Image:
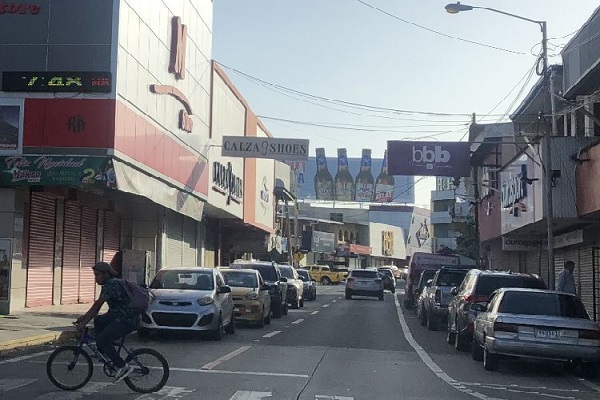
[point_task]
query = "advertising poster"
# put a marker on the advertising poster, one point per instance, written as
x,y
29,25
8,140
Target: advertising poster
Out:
x,y
5,257
367,177
10,118
429,158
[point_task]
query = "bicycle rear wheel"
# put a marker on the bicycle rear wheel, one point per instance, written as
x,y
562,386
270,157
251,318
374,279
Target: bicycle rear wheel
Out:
x,y
69,367
151,371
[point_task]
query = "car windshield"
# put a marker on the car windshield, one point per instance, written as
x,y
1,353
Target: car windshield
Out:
x,y
364,274
240,279
184,280
303,275
487,284
551,304
267,272
286,272
451,278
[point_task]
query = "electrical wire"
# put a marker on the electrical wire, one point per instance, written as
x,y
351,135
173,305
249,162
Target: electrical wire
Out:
x,y
438,32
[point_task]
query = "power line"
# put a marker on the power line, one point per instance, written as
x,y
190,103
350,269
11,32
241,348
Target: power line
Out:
x,y
438,32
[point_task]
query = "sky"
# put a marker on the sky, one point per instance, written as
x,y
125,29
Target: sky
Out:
x,y
357,73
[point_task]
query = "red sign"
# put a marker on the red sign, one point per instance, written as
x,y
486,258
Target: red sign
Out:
x,y
19,8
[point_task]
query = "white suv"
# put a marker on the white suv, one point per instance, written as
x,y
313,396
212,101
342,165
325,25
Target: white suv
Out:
x,y
364,282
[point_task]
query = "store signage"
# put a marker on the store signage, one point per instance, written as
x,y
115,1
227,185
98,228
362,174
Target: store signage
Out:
x,y
387,243
76,124
318,242
19,8
227,183
428,158
568,239
270,148
70,81
56,170
10,131
513,191
523,242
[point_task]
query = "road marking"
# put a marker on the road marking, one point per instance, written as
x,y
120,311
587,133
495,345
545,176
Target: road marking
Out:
x,y
296,322
333,301
245,395
430,363
226,357
271,334
321,397
591,385
17,359
90,388
325,305
11,384
225,372
175,392
314,312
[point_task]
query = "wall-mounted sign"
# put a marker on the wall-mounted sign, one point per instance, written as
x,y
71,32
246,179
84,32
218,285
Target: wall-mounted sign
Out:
x,y
429,158
79,82
260,147
319,242
523,242
10,127
56,171
19,8
387,243
514,190
569,239
264,196
227,183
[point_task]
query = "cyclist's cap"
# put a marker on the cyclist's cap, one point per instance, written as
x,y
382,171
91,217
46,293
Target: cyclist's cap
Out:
x,y
104,267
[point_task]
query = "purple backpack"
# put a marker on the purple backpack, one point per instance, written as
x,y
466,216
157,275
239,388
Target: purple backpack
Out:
x,y
139,297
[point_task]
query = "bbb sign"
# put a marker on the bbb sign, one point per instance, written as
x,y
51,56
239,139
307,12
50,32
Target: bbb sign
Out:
x,y
429,158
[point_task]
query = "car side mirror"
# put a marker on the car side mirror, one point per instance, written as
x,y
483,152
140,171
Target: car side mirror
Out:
x,y
224,289
283,280
454,291
479,307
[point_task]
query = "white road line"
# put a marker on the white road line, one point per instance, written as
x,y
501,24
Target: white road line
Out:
x,y
17,359
271,334
333,301
166,392
11,384
296,322
430,363
245,395
321,397
226,357
90,388
314,312
591,385
325,305
224,372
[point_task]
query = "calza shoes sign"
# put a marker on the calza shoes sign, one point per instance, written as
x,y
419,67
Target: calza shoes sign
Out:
x,y
428,158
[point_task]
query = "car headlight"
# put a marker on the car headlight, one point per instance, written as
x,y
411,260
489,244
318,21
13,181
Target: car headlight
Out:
x,y
252,296
205,301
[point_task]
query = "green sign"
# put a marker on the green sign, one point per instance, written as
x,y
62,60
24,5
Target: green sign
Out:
x,y
57,171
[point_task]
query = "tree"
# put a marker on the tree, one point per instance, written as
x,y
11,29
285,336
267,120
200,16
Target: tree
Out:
x,y
468,243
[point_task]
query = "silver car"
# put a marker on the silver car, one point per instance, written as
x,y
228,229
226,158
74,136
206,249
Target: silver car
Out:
x,y
190,299
534,323
364,282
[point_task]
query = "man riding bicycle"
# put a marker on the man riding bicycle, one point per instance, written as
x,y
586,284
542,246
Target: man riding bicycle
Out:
x,y
119,321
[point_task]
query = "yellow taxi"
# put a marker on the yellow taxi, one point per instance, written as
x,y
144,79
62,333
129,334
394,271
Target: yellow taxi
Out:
x,y
251,299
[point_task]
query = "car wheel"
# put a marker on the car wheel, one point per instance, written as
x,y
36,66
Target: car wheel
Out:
x,y
348,295
450,337
325,281
277,311
422,317
285,309
217,334
230,328
460,342
143,333
476,351
490,361
302,302
431,322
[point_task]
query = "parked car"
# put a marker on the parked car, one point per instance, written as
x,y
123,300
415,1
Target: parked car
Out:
x,y
539,324
402,272
295,286
389,281
273,279
425,277
434,300
364,282
393,269
251,300
325,275
195,299
310,287
419,262
476,288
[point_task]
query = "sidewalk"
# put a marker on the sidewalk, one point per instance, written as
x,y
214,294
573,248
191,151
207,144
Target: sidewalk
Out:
x,y
39,325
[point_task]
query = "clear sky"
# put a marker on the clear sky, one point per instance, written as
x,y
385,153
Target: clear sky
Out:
x,y
295,62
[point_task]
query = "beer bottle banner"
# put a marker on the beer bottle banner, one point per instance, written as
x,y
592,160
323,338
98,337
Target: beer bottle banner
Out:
x,y
365,183
323,180
344,183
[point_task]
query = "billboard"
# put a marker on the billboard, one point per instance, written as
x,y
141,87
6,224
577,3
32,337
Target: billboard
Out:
x,y
341,178
429,158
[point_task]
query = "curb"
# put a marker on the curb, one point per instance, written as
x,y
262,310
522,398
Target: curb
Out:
x,y
37,340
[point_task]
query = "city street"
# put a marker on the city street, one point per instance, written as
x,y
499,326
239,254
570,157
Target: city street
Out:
x,y
331,349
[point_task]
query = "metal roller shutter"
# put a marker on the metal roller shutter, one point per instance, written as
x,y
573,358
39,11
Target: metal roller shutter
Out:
x,y
532,262
209,258
585,279
40,270
596,282
560,256
174,239
189,243
87,283
72,245
112,236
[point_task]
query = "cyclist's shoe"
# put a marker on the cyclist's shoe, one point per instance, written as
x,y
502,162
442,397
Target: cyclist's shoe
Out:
x,y
124,372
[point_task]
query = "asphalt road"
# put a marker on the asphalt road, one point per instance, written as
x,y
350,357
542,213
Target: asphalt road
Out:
x,y
332,349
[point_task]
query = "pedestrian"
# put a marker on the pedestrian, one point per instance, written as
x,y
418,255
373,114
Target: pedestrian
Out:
x,y
117,322
566,282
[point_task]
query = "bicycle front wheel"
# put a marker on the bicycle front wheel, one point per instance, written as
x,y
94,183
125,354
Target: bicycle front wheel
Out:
x,y
69,367
151,371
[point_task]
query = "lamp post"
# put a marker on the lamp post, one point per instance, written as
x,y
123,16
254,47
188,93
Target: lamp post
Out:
x,y
455,8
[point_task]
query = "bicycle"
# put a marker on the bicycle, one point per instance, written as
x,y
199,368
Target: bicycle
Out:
x,y
79,365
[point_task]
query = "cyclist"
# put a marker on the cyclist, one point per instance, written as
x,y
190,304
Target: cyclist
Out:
x,y
119,321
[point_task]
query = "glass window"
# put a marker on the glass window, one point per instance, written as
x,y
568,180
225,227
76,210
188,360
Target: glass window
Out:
x,y
240,279
268,272
303,274
571,306
529,303
184,280
359,273
286,272
451,278
488,283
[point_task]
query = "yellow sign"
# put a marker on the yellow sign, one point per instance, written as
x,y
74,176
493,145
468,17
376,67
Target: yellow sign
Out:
x,y
387,243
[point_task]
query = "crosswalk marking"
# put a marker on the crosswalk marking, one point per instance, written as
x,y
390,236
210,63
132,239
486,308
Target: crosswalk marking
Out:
x,y
10,384
246,395
296,322
95,387
167,392
271,334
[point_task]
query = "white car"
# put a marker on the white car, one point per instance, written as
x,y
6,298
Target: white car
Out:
x,y
190,299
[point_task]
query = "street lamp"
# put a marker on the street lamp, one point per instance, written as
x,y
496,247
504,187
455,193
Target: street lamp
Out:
x,y
455,8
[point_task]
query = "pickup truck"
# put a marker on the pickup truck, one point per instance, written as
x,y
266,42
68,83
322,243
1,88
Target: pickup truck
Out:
x,y
325,275
433,301
419,262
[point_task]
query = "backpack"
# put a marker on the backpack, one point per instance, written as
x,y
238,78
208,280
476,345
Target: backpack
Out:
x,y
139,297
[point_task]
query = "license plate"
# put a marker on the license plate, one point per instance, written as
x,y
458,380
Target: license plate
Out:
x,y
237,309
547,334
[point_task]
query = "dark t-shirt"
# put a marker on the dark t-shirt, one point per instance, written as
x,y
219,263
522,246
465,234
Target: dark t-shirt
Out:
x,y
118,303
